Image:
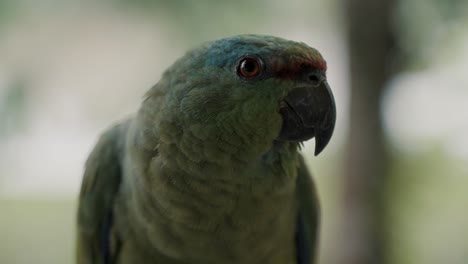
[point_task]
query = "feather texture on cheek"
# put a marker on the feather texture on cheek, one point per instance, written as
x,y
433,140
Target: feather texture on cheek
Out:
x,y
203,105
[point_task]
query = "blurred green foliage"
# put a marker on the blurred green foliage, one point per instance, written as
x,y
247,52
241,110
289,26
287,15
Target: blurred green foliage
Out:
x,y
428,208
427,29
199,20
7,10
13,106
37,231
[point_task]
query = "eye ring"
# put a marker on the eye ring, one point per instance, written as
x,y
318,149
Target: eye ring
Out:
x,y
249,67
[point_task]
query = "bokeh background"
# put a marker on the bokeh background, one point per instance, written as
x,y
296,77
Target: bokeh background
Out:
x,y
393,182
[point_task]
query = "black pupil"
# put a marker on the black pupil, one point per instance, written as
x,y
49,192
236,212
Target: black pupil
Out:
x,y
249,66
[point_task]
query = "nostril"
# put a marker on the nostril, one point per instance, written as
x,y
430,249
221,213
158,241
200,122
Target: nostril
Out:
x,y
314,78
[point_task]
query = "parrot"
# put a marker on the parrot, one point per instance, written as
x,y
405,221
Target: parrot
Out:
x,y
209,169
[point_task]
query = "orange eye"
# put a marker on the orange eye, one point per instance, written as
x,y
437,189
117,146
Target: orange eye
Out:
x,y
248,68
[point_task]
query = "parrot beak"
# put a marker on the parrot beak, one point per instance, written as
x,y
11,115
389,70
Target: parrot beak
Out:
x,y
308,111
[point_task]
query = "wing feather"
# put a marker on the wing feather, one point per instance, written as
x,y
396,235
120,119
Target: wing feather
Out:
x,y
308,217
101,181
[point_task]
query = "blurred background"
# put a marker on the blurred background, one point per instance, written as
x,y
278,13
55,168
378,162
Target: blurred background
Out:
x,y
393,182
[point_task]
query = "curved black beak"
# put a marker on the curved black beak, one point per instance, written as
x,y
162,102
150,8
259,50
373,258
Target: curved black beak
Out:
x,y
309,111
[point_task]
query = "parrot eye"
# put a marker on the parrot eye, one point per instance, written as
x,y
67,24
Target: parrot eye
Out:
x,y
249,68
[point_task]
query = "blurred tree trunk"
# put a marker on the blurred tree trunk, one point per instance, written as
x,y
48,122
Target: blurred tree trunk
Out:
x,y
370,41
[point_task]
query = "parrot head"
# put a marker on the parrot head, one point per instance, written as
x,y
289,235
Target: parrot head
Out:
x,y
251,90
